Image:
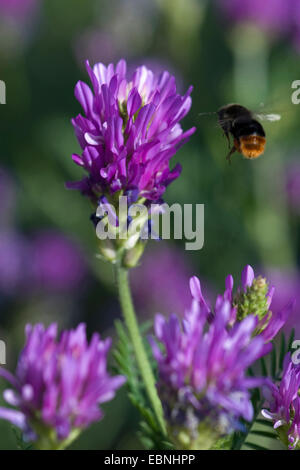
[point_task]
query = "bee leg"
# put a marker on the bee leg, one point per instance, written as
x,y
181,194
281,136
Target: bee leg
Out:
x,y
228,138
230,153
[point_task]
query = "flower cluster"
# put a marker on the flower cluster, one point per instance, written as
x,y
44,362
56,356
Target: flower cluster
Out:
x,y
129,132
254,297
293,187
284,404
287,282
272,16
167,271
58,385
128,135
51,261
202,370
18,8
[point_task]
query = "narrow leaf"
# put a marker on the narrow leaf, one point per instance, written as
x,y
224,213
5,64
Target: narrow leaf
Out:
x,y
255,446
269,434
282,350
264,422
273,362
291,339
263,367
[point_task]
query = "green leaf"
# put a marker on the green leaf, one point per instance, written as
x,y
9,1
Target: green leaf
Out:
x,y
150,434
256,446
264,422
263,367
268,434
274,362
21,444
291,339
283,350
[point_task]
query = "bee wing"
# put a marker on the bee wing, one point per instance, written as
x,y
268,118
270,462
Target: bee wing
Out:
x,y
268,117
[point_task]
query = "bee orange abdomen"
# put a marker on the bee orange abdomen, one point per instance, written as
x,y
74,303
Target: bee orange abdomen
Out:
x,y
250,146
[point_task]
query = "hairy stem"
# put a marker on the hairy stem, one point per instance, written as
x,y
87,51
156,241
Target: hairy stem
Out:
x,y
137,342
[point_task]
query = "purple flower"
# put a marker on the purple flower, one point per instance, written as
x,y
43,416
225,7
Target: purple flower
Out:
x,y
202,370
7,199
272,15
254,297
124,28
48,262
17,8
167,271
94,43
158,66
130,131
293,183
283,403
58,385
15,259
287,287
57,263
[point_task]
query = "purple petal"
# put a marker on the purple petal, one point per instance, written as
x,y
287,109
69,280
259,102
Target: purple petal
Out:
x,y
84,95
9,377
247,277
15,417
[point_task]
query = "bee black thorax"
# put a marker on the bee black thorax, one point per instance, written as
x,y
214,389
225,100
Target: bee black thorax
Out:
x,y
248,134
239,121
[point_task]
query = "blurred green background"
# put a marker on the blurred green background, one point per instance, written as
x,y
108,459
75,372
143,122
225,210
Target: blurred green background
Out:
x,y
48,265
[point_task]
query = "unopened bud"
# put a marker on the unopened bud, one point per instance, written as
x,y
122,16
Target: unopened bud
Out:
x,y
253,301
132,256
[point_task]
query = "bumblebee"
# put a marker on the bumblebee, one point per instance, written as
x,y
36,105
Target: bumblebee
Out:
x,y
249,137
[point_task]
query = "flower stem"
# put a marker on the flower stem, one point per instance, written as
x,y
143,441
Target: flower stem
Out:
x,y
137,342
48,440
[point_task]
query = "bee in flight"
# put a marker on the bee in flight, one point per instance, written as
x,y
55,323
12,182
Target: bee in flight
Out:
x,y
249,137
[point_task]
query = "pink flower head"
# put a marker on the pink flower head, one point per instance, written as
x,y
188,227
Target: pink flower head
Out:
x,y
129,131
59,384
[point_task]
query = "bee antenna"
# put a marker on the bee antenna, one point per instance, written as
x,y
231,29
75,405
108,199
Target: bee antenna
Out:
x,y
207,113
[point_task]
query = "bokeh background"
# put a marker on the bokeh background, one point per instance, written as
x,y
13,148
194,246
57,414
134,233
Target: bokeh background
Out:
x,y
230,50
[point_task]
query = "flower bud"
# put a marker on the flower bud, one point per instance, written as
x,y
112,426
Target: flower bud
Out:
x,y
253,300
132,257
108,251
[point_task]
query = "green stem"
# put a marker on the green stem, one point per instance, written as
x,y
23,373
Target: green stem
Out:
x,y
137,342
48,440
